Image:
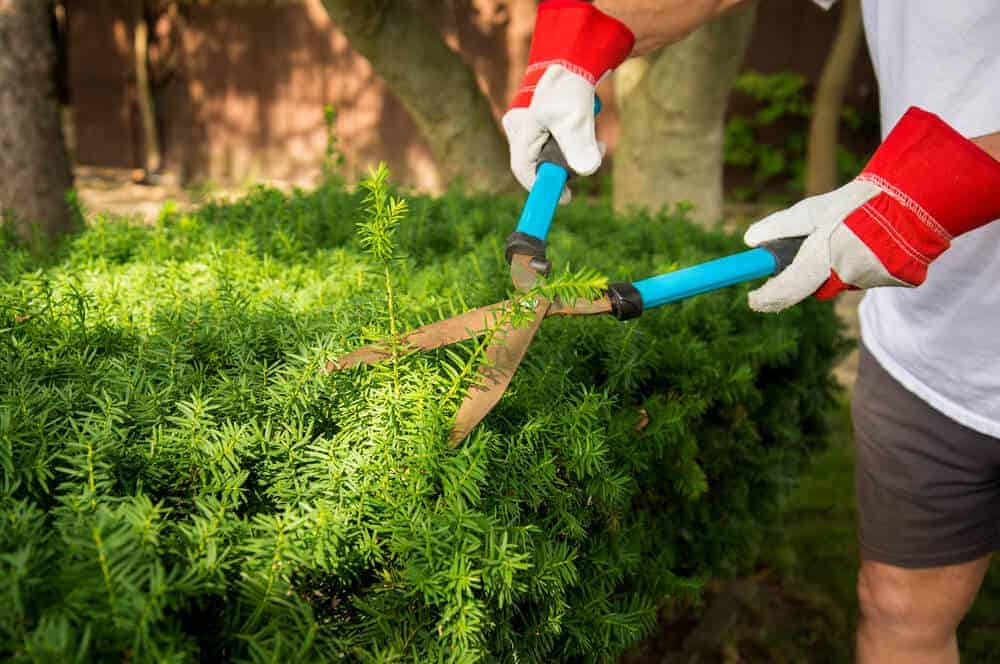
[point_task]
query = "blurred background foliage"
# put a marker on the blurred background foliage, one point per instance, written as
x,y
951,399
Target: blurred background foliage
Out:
x,y
765,148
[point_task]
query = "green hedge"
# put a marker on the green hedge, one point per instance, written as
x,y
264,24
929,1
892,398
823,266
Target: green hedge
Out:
x,y
180,482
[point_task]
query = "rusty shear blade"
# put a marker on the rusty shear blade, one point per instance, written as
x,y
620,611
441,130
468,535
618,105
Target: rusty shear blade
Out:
x,y
434,335
505,353
503,356
470,324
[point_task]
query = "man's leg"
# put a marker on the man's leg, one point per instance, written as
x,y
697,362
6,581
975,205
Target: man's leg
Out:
x,y
910,615
928,497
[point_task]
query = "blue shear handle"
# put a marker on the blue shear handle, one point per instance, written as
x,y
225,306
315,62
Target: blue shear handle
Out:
x,y
536,217
550,178
719,273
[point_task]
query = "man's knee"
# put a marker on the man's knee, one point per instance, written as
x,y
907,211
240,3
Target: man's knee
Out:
x,y
893,602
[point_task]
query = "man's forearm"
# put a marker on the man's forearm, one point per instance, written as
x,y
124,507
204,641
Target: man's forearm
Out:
x,y
990,144
657,23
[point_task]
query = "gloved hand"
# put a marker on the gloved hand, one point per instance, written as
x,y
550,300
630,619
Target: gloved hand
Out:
x,y
573,46
924,186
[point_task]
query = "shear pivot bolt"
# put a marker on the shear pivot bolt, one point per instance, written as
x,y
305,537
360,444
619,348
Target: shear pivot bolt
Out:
x,y
540,265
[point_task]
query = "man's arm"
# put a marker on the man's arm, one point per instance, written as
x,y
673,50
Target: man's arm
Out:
x,y
575,44
657,23
990,144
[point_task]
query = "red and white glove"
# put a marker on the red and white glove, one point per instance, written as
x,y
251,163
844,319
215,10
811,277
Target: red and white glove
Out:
x,y
573,46
924,186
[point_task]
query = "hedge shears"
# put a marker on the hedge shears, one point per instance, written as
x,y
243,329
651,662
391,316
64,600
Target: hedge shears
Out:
x,y
525,250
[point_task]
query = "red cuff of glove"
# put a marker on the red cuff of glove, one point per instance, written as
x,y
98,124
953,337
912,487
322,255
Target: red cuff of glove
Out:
x,y
946,180
577,36
936,185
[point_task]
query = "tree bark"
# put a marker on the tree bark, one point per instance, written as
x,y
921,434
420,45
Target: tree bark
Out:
x,y
34,167
821,151
672,104
437,88
152,159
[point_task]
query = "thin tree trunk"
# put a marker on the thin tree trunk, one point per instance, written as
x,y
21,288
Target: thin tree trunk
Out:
x,y
672,105
821,152
437,88
152,159
34,167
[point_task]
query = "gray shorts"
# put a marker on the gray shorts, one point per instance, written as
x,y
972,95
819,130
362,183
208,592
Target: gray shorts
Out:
x,y
928,488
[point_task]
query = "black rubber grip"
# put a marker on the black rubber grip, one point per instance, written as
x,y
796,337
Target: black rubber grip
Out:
x,y
524,245
626,302
784,251
553,154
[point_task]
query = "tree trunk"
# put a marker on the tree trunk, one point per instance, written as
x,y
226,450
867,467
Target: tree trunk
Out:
x,y
821,152
437,88
34,167
672,104
152,159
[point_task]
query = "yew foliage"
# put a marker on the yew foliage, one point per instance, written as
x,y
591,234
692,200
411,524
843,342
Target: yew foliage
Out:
x,y
179,481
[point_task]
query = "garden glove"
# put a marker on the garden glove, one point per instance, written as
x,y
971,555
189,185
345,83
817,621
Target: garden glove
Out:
x,y
924,186
573,46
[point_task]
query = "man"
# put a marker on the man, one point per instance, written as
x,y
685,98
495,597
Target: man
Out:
x,y
915,222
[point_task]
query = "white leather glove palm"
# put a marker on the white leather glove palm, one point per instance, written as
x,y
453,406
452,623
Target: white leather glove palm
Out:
x,y
924,186
829,245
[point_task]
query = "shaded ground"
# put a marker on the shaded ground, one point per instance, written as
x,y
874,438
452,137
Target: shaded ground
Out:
x,y
799,606
112,191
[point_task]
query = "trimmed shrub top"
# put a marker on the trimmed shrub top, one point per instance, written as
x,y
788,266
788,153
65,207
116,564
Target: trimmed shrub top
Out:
x,y
179,481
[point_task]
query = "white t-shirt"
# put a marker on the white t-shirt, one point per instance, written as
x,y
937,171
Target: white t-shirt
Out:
x,y
941,340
